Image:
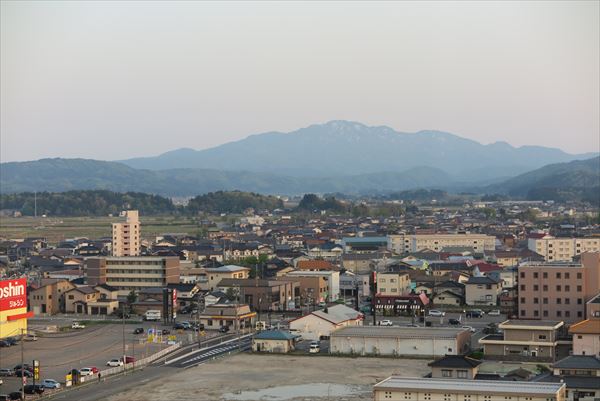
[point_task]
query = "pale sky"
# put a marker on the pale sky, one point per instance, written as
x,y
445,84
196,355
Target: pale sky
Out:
x,y
112,80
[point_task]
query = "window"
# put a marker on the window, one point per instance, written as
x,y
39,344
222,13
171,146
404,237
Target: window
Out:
x,y
536,313
558,301
545,313
578,288
522,274
567,276
579,301
541,337
536,275
536,287
558,275
522,312
567,301
545,275
522,287
545,288
446,373
558,313
567,313
558,288
579,276
579,314
536,300
567,288
462,374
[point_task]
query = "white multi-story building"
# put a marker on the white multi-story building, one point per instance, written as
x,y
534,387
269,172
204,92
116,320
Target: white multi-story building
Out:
x,y
403,243
560,249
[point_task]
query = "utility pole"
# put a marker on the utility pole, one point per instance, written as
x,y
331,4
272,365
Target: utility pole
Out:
x,y
124,355
22,367
35,204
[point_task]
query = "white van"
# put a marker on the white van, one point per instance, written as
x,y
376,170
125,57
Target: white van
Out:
x,y
314,347
153,315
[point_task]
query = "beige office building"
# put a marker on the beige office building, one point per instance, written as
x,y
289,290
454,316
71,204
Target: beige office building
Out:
x,y
400,243
558,290
396,388
126,235
133,273
563,249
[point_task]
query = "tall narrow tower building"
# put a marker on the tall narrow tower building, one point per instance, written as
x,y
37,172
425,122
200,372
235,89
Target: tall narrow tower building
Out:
x,y
126,236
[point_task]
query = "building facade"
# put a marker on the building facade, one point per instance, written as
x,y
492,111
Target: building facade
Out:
x,y
133,273
558,290
389,283
561,249
126,238
396,388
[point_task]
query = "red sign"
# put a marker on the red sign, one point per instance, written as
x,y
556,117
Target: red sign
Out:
x,y
174,297
13,294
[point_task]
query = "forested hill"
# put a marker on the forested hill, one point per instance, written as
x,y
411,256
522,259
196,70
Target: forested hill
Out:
x,y
103,203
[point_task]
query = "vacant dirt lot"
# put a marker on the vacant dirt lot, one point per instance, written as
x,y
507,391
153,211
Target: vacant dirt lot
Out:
x,y
232,377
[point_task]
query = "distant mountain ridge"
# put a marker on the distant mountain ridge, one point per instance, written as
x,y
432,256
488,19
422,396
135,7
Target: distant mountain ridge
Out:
x,y
350,148
57,175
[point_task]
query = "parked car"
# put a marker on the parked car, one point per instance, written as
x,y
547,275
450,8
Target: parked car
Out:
x,y
34,389
138,330
453,322
7,372
1,382
470,328
50,383
474,314
4,343
224,329
494,312
4,397
86,372
77,326
114,362
30,337
23,373
314,347
11,340
385,322
179,326
436,313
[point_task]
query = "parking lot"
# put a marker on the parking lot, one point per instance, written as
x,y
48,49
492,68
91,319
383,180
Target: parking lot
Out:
x,y
61,352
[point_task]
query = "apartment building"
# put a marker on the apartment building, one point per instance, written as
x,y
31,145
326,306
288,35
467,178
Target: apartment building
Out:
x,y
400,243
126,235
264,295
561,249
558,290
332,279
524,340
396,388
133,273
390,283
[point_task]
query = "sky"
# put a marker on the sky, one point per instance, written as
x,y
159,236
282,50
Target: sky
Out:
x,y
113,80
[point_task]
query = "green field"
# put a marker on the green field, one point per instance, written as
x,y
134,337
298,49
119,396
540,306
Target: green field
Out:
x,y
56,229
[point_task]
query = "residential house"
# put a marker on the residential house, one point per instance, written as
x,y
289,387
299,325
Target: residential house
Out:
x,y
455,367
321,323
234,316
274,341
264,295
482,291
49,298
216,274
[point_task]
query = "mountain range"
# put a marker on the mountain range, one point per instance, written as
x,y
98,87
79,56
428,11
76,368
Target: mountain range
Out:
x,y
338,156
341,148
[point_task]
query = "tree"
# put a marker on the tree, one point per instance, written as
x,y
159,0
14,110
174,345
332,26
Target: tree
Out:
x,y
131,299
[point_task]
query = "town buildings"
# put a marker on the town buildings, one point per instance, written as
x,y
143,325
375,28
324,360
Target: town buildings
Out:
x,y
562,249
322,323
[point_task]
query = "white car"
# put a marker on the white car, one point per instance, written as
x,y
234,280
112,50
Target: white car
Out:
x,y
49,383
436,313
77,325
86,371
494,312
30,337
386,323
470,328
314,347
114,362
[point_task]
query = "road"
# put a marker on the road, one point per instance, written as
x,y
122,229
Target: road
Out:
x,y
183,358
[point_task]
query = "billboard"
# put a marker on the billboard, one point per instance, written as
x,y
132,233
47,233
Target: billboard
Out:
x,y
13,294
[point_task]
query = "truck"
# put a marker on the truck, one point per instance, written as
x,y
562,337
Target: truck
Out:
x,y
152,315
